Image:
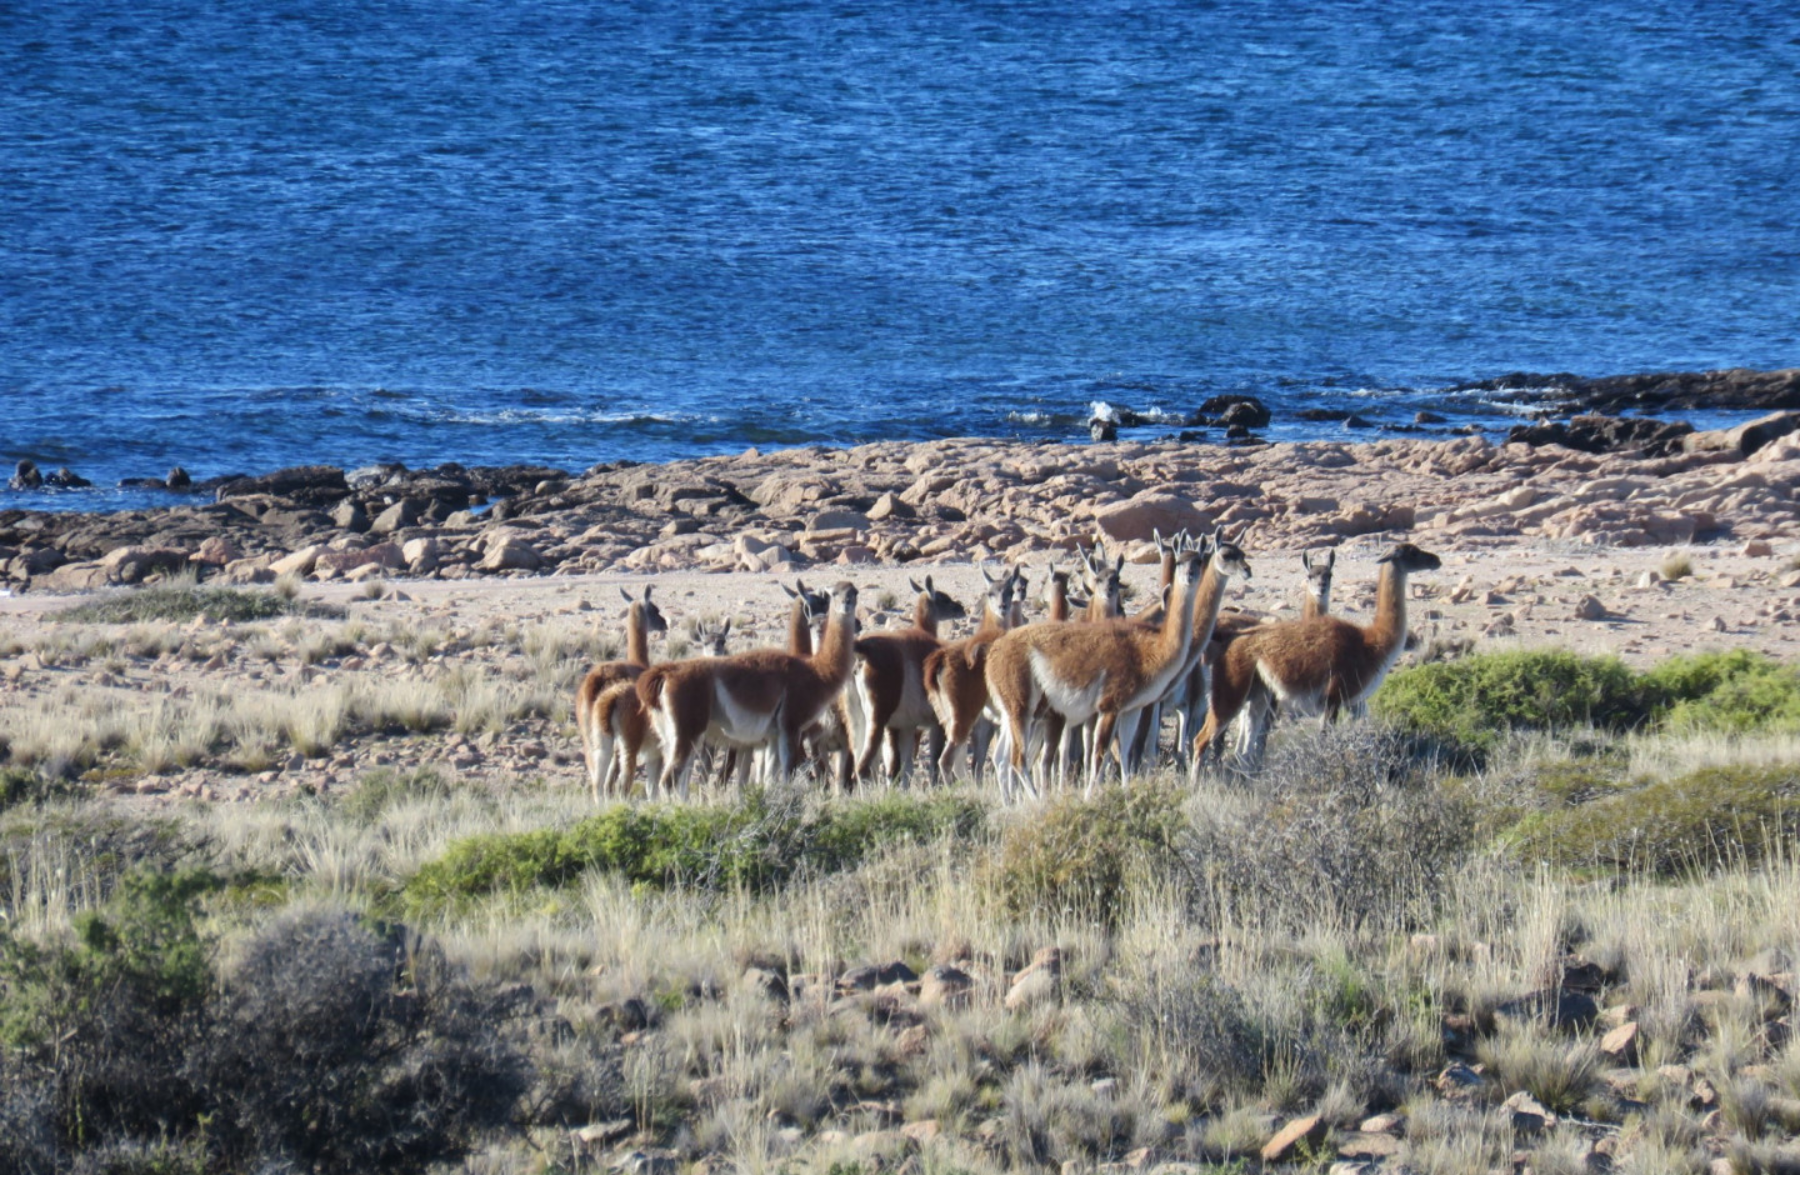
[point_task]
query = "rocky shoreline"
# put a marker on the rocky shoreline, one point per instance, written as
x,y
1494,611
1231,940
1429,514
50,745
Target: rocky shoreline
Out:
x,y
1596,480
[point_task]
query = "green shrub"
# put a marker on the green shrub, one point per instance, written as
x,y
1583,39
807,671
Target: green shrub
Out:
x,y
1735,692
1076,856
1475,702
20,786
1713,818
755,845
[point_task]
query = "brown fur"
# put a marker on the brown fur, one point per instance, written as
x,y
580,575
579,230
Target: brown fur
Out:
x,y
956,673
642,618
889,684
620,731
1321,661
1106,670
760,698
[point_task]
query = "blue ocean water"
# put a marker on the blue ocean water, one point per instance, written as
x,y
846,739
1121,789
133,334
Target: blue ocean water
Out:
x,y
237,237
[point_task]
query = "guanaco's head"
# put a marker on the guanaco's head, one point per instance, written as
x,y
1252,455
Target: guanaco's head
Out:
x,y
1318,569
935,605
712,636
1104,582
843,599
1408,558
1226,556
817,603
652,615
1001,590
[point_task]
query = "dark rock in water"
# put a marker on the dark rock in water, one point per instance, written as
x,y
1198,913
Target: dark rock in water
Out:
x,y
1252,415
1324,414
1218,404
1606,435
1355,422
1423,417
26,477
1653,392
1102,430
177,480
62,477
1193,435
317,486
1229,410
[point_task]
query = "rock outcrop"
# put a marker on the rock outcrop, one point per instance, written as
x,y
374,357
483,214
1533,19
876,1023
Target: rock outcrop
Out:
x,y
1623,483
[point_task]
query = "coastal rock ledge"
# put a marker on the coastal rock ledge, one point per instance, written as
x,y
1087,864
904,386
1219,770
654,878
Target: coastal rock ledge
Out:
x,y
907,502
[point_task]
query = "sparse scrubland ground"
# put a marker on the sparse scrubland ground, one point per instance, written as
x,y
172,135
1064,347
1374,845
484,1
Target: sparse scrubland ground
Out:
x,y
339,901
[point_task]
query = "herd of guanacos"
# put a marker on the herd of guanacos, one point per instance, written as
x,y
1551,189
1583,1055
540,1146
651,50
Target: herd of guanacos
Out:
x,y
1077,692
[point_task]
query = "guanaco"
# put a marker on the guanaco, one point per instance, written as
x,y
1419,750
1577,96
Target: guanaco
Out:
x,y
642,618
956,675
889,707
1316,664
760,698
1105,671
621,729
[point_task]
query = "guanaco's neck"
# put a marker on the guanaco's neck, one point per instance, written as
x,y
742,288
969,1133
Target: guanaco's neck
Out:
x,y
993,621
637,636
837,649
799,630
1318,597
1208,598
925,617
1059,599
1388,633
1176,636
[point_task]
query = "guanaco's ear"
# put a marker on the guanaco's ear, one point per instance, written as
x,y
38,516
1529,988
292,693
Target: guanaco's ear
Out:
x,y
629,598
647,593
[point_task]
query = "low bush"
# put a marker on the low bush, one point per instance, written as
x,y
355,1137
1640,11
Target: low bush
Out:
x,y
756,845
1709,819
1353,827
379,790
21,786
1735,692
341,1048
180,600
325,1046
1078,854
1475,702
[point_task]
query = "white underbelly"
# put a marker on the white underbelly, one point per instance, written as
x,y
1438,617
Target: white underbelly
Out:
x,y
1076,702
733,724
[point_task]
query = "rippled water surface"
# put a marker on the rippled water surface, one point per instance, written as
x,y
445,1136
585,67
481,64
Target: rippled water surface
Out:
x,y
237,237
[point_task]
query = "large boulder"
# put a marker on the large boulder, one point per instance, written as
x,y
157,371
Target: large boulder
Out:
x,y
1136,518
